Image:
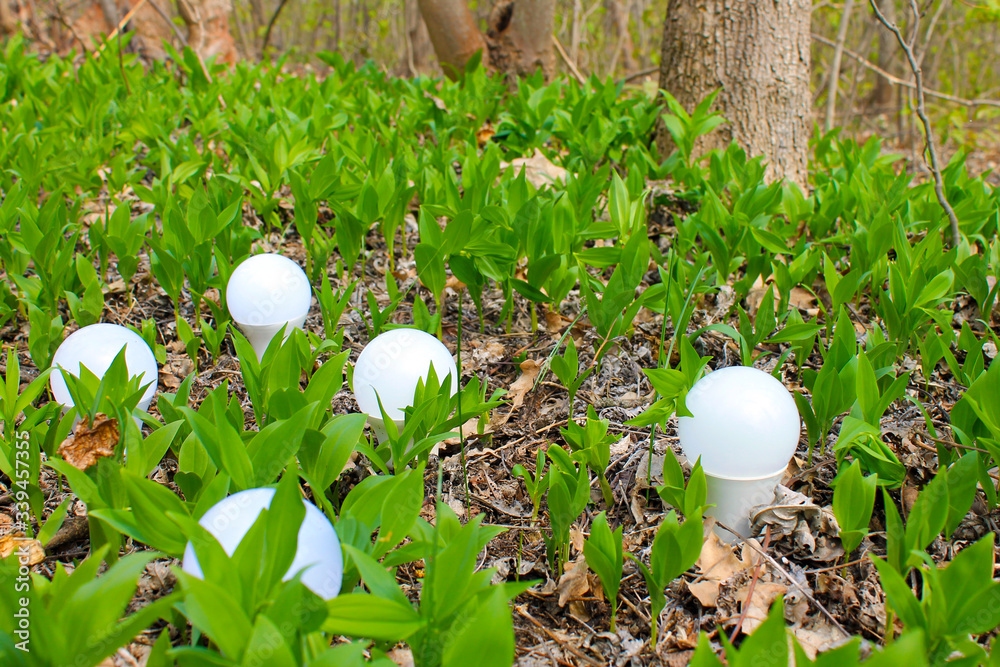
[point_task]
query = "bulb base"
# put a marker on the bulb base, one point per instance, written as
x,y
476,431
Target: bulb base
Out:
x,y
378,427
260,335
733,499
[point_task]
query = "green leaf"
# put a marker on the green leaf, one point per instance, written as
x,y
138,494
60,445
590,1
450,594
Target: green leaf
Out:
x,y
962,479
927,517
971,595
603,551
899,595
853,501
362,615
215,612
485,637
267,645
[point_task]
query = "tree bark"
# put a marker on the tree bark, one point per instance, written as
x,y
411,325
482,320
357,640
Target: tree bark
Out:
x,y
520,33
418,52
884,94
111,13
454,33
8,21
617,24
758,54
207,22
518,41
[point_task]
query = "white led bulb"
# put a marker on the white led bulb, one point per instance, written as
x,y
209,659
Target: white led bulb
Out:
x,y
745,427
318,548
265,293
390,367
95,347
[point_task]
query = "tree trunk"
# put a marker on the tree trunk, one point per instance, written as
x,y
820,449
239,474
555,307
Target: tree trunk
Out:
x,y
616,23
454,33
207,22
758,54
883,96
520,33
9,22
417,58
111,13
519,39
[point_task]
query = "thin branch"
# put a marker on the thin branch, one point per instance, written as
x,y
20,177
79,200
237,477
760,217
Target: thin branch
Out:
x,y
838,52
641,73
753,582
921,113
777,566
895,80
59,16
180,37
566,59
121,24
270,25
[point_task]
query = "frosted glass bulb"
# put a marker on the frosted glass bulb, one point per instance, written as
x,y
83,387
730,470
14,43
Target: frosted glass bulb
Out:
x,y
744,424
95,347
265,293
318,549
392,363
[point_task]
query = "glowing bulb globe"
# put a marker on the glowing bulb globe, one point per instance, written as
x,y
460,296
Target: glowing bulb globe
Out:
x,y
318,548
391,365
745,428
265,293
744,423
96,346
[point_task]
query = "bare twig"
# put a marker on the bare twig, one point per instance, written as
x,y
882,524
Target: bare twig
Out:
x,y
270,25
777,566
59,16
838,52
641,73
180,36
562,643
895,80
566,59
921,112
196,33
121,24
753,584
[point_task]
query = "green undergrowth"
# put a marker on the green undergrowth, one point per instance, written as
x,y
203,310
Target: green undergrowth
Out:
x,y
119,175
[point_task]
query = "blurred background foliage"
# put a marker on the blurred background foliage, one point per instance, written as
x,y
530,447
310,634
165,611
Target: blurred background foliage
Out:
x,y
956,47
621,39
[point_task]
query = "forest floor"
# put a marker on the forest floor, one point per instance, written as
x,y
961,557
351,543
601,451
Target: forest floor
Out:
x,y
565,619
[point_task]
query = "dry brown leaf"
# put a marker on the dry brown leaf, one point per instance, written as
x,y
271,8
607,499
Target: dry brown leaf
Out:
x,y
784,514
16,542
764,593
438,102
401,656
554,322
818,636
485,133
717,563
574,583
169,380
802,299
756,294
523,384
469,429
89,443
454,283
538,169
484,354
